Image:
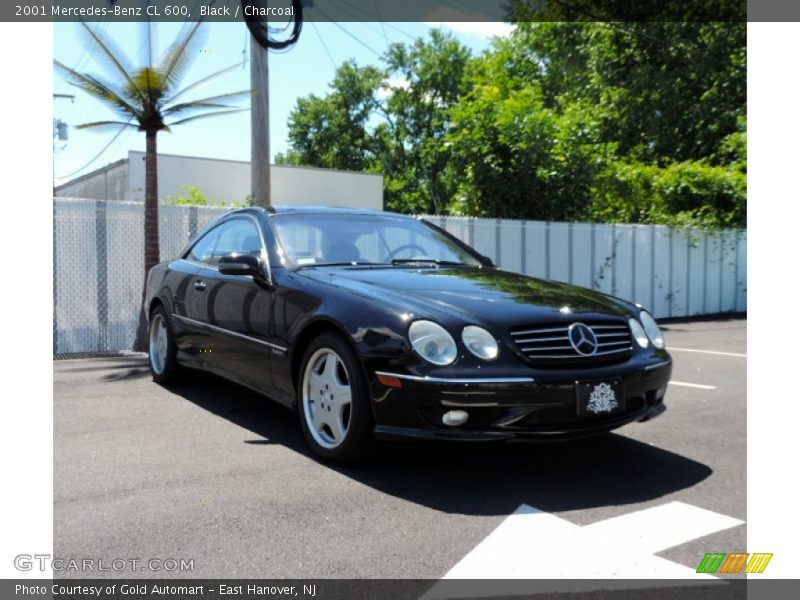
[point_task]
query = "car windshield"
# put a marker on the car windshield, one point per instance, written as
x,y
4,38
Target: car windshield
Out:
x,y
316,239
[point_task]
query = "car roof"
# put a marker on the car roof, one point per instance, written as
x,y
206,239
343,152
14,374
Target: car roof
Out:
x,y
308,209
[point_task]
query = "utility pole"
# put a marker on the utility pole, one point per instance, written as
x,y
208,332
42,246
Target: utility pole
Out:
x,y
259,126
259,104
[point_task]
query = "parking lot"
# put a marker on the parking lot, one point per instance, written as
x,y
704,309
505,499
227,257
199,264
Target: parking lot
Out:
x,y
214,473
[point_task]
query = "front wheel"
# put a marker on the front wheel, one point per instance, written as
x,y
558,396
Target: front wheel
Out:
x,y
334,405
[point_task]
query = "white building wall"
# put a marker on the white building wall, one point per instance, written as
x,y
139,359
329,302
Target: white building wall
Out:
x,y
108,183
229,181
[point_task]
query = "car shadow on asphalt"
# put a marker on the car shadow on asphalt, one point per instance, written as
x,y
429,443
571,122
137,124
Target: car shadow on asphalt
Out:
x,y
475,478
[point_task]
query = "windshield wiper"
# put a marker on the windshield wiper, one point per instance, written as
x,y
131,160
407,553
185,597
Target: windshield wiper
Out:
x,y
350,263
432,261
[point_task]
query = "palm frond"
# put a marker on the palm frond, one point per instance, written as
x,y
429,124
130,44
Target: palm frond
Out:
x,y
178,56
99,89
207,115
103,125
210,102
201,82
184,106
152,83
110,52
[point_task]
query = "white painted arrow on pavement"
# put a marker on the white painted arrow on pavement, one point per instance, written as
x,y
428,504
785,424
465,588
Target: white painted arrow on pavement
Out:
x,y
534,544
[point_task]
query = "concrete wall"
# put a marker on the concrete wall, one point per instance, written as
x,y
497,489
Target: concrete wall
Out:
x,y
108,183
229,181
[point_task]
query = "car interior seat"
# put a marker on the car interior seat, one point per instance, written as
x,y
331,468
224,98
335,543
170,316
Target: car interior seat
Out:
x,y
251,245
340,252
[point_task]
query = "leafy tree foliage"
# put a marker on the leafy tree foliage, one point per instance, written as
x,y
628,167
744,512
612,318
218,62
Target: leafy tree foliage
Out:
x,y
638,122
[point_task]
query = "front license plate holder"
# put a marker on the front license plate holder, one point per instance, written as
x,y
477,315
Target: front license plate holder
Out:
x,y
599,398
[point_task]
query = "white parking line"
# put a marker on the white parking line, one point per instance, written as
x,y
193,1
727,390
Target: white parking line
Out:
x,y
708,352
534,544
699,386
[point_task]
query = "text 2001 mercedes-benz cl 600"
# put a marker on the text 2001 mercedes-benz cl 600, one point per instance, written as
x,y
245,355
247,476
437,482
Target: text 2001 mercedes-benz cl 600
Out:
x,y
374,325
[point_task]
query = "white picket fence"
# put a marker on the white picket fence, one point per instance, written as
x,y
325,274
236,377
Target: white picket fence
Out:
x,y
99,268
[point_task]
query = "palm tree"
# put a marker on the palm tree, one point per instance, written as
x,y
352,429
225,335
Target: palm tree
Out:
x,y
146,98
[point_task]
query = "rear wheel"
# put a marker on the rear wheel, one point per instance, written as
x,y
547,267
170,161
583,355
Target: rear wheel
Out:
x,y
161,345
334,405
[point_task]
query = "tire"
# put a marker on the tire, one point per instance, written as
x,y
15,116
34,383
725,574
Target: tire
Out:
x,y
161,348
333,401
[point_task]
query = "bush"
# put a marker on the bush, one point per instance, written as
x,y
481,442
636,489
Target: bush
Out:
x,y
690,193
192,196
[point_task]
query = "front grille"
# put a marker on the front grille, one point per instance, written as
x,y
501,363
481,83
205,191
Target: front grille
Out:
x,y
551,342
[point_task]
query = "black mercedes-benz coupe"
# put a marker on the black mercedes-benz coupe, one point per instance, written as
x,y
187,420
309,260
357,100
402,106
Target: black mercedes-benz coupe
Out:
x,y
373,325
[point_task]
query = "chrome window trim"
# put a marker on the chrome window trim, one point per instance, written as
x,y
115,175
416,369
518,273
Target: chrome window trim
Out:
x,y
457,380
222,330
199,264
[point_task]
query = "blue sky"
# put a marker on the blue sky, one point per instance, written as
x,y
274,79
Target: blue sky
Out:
x,y
306,68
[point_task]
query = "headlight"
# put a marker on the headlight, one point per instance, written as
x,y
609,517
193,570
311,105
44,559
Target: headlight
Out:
x,y
480,342
432,342
638,332
652,329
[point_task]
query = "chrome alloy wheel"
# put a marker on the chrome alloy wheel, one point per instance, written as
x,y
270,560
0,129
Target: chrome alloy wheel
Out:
x,y
327,398
158,344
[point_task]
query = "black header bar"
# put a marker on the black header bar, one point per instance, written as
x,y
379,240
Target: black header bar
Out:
x,y
398,10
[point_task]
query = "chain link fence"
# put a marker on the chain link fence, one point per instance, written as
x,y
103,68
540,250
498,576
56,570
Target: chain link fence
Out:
x,y
99,263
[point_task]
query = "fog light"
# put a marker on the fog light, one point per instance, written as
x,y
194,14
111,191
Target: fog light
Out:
x,y
454,418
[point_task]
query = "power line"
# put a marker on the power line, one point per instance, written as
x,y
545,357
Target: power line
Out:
x,y
383,27
480,9
370,16
370,48
96,156
246,46
324,45
365,23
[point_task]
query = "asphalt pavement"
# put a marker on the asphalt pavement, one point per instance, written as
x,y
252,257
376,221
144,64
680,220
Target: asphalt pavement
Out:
x,y
213,473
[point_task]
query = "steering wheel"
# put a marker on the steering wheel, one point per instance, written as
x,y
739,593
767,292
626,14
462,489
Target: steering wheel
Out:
x,y
398,250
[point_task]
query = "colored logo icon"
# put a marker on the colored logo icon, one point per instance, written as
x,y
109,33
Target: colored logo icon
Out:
x,y
735,562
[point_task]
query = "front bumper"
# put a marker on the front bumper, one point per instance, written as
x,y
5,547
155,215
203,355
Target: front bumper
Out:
x,y
536,406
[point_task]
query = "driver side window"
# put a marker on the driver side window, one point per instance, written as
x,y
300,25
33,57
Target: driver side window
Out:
x,y
240,236
203,250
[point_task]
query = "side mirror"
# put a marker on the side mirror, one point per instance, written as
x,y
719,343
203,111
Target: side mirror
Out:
x,y
240,264
486,261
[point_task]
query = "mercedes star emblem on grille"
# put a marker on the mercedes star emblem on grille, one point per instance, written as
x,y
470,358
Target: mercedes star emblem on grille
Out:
x,y
582,339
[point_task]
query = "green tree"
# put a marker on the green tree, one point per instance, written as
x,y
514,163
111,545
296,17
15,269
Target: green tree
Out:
x,y
149,98
390,120
429,76
559,110
336,131
521,153
637,121
662,91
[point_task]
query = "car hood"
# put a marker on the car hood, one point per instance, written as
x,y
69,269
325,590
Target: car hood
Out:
x,y
477,293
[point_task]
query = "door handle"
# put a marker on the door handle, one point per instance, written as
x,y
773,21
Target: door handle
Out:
x,y
200,285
